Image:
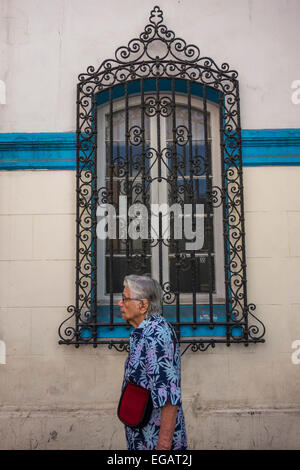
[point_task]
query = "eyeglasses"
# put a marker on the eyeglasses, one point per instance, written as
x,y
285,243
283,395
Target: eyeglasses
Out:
x,y
126,299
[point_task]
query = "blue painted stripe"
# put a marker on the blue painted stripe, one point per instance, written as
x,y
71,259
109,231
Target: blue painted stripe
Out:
x,y
38,151
186,315
57,151
165,84
271,147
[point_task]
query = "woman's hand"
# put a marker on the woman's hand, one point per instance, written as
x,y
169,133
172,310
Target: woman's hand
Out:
x,y
167,426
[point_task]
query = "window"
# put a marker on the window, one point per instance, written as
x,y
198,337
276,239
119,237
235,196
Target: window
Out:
x,y
137,160
160,124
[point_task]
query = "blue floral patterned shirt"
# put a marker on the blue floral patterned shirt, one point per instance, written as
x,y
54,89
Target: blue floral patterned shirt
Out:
x,y
153,364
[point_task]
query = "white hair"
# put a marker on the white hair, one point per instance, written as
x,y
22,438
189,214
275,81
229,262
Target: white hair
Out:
x,y
146,288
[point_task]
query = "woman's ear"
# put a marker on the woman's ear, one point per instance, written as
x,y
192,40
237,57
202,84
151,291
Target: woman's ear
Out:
x,y
145,305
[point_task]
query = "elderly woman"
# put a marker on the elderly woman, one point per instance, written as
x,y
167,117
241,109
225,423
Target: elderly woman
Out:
x,y
154,364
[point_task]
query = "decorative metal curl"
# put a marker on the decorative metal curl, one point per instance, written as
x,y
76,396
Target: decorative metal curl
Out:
x,y
136,52
181,135
70,332
120,347
168,295
199,346
136,135
162,106
254,329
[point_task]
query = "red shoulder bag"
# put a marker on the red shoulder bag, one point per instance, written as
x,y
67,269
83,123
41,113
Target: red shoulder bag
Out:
x,y
135,405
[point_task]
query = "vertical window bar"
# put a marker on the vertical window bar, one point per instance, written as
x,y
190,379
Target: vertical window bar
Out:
x,y
160,250
94,223
78,171
130,195
116,242
184,161
159,179
117,196
225,221
190,141
174,176
209,206
111,166
158,129
144,242
126,168
130,179
238,130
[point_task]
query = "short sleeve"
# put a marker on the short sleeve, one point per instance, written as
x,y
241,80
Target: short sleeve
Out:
x,y
163,366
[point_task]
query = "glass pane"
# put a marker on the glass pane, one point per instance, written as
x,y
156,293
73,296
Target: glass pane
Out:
x,y
119,123
180,245
188,180
182,122
126,171
121,268
184,274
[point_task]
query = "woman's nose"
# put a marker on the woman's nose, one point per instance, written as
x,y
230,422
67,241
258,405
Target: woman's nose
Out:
x,y
120,302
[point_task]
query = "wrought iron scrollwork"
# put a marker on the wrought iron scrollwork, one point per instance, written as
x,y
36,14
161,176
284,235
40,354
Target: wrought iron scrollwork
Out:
x,y
162,106
158,54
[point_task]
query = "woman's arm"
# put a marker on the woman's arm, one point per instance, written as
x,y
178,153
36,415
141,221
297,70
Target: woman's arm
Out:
x,y
167,426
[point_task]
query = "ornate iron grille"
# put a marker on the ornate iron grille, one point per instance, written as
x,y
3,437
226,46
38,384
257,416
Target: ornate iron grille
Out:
x,y
158,78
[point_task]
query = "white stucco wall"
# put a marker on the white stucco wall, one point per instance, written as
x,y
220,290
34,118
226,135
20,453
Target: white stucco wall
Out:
x,y
233,397
59,397
46,44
